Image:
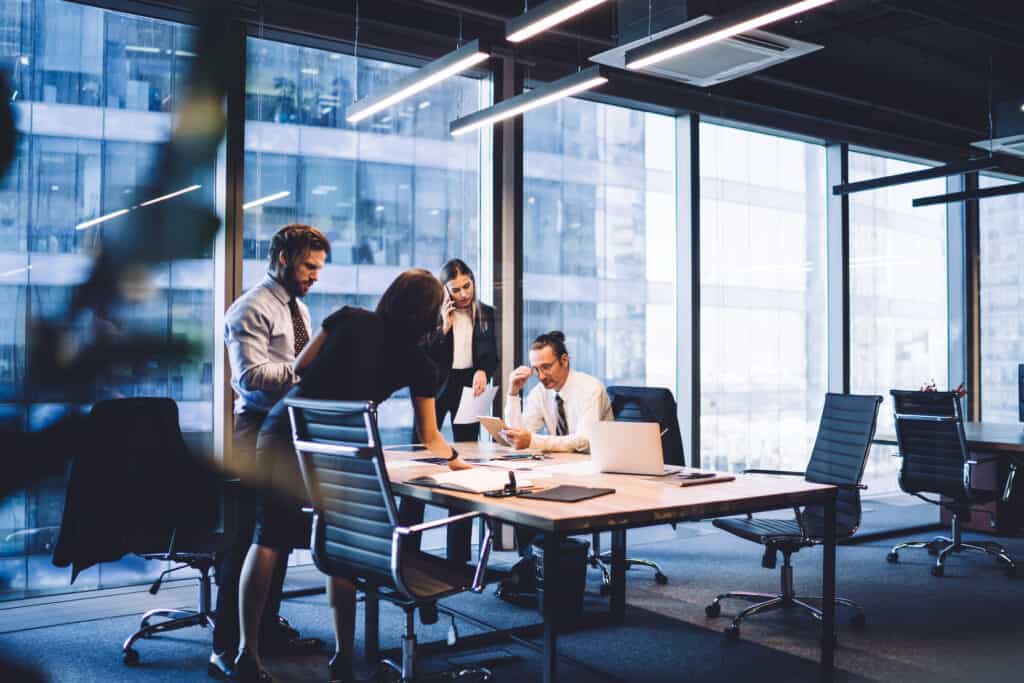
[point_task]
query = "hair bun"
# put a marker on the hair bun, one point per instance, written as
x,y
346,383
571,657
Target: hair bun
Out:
x,y
557,335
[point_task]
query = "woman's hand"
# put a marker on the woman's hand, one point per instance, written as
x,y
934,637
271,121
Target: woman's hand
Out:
x,y
479,382
447,311
458,464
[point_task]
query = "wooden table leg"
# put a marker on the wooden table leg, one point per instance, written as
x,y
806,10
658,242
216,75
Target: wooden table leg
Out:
x,y
828,592
552,546
618,587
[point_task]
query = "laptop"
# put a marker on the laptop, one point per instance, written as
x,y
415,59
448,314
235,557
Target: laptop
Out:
x,y
627,448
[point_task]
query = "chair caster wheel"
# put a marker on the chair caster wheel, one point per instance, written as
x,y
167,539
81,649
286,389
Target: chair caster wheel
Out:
x,y
938,570
713,610
859,621
732,632
660,579
130,657
893,557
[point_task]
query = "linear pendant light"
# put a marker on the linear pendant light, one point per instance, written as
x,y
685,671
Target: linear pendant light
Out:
x,y
546,16
999,191
430,74
913,176
538,97
718,28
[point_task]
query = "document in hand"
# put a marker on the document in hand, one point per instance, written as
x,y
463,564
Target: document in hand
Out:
x,y
470,406
476,480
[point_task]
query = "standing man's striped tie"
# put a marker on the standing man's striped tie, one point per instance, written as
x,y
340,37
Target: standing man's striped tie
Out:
x,y
563,423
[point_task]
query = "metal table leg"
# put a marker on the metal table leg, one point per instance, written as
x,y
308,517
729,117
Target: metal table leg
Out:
x,y
828,592
372,628
618,587
552,545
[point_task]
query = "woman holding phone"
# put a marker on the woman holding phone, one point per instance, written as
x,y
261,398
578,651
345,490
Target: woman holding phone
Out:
x,y
464,346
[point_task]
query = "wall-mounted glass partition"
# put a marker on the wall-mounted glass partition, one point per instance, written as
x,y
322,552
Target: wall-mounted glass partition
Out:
x,y
599,230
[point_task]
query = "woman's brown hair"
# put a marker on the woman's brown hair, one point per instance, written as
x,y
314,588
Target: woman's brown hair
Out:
x,y
412,303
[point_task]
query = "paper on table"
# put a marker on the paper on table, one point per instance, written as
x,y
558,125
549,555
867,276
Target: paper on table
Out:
x,y
470,406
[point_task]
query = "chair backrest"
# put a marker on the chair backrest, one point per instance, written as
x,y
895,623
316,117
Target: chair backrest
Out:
x,y
930,436
342,464
840,453
651,404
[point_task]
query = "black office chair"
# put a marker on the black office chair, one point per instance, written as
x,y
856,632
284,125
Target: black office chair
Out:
x,y
930,437
840,452
356,526
642,404
117,502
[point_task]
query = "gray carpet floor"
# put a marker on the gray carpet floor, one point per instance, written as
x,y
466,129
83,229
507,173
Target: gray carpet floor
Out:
x,y
965,626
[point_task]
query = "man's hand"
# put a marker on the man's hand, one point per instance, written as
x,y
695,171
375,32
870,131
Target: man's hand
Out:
x,y
447,311
458,464
479,382
519,438
518,378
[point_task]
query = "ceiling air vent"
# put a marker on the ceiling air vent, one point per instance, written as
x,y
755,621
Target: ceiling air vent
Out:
x,y
717,63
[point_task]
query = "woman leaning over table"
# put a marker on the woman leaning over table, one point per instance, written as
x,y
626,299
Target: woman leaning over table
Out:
x,y
357,355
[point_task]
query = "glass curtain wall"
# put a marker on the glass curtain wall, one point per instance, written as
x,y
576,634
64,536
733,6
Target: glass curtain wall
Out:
x,y
1002,302
764,317
898,295
395,191
599,224
93,95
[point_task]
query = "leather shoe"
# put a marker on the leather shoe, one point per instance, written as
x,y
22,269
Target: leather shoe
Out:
x,y
221,666
247,670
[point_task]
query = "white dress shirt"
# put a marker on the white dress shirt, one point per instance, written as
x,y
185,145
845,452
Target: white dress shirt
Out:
x,y
585,401
462,339
260,337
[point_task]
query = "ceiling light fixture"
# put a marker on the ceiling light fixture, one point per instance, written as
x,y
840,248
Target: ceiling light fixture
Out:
x,y
101,219
190,188
913,176
538,97
1000,191
542,18
719,28
263,200
430,74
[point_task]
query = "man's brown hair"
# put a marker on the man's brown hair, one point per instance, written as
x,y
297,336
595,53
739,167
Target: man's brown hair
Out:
x,y
294,241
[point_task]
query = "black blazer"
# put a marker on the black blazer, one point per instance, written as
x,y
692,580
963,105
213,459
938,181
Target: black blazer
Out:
x,y
485,347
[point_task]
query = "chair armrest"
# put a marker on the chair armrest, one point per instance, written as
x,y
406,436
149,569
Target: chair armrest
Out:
x,y
780,472
416,529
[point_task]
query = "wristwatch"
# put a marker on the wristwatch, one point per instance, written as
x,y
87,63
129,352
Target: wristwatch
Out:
x,y
455,454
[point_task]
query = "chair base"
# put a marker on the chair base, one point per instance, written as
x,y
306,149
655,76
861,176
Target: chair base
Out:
x,y
603,561
945,546
405,671
175,618
787,599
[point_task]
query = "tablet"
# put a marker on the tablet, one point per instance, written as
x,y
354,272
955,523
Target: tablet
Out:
x,y
494,427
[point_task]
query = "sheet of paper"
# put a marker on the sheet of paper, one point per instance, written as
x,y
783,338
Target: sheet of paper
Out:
x,y
470,407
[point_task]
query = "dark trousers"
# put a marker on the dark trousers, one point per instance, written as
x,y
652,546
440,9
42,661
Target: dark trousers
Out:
x,y
459,536
448,402
229,565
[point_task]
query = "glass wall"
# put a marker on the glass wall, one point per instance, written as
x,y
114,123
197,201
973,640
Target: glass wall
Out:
x,y
93,94
394,192
1002,302
898,294
599,230
764,317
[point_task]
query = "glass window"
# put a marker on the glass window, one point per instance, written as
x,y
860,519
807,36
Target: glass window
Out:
x,y
394,192
599,238
1002,312
764,315
94,92
898,294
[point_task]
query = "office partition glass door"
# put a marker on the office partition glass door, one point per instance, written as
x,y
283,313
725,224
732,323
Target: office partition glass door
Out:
x,y
1002,311
599,236
93,94
763,316
898,294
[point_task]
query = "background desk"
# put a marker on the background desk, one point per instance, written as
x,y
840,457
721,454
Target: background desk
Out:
x,y
984,440
638,501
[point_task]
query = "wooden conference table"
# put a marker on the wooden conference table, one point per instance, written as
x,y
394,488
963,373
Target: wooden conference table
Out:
x,y
638,501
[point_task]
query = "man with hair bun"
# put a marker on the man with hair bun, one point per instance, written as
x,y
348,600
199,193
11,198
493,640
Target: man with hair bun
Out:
x,y
564,401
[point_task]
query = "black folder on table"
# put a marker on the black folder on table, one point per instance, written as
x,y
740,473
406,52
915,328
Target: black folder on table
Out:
x,y
566,493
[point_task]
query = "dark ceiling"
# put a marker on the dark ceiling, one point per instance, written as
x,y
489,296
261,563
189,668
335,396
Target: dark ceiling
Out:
x,y
920,70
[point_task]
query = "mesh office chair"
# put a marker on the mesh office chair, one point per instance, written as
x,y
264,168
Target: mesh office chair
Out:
x,y
356,527
930,436
840,452
642,404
